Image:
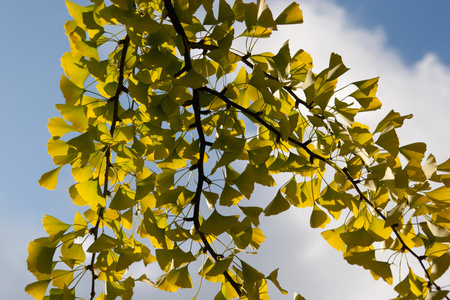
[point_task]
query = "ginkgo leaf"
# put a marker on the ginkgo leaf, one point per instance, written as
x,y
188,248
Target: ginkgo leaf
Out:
x,y
37,289
217,224
102,243
180,278
58,127
319,218
70,90
290,15
40,257
250,274
445,167
252,213
273,277
90,192
54,227
298,297
74,114
277,205
333,237
49,179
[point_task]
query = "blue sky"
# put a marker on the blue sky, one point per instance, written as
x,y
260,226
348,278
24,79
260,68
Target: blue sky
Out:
x,y
407,43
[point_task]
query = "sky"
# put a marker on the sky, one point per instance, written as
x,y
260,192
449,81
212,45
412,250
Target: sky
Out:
x,y
407,45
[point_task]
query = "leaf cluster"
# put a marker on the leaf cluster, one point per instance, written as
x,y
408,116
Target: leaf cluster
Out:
x,y
171,122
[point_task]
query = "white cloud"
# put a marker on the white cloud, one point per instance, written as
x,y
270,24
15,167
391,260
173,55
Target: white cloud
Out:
x,y
307,263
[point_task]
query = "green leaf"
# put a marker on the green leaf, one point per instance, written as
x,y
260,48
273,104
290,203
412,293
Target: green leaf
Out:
x,y
290,15
277,205
49,179
250,274
40,257
217,224
123,199
265,18
217,268
103,242
226,14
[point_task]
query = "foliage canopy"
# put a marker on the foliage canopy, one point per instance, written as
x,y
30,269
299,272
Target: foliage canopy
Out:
x,y
170,120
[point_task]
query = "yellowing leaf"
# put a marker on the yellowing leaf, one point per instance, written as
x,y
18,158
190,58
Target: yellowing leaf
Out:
x,y
62,278
319,218
40,257
333,237
389,140
103,242
229,196
123,199
273,277
70,90
415,150
336,67
250,274
379,230
91,194
54,227
440,194
37,289
49,179
74,114
252,213
445,167
217,224
180,278
58,127
290,15
277,205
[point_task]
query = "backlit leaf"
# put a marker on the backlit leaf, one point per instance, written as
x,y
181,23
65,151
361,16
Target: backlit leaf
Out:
x,y
54,227
37,289
217,224
277,205
290,15
49,179
103,242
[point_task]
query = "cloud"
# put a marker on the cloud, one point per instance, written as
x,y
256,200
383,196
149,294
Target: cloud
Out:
x,y
307,263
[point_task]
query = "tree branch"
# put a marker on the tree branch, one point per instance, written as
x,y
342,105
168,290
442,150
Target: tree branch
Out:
x,y
180,31
198,124
125,42
313,156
